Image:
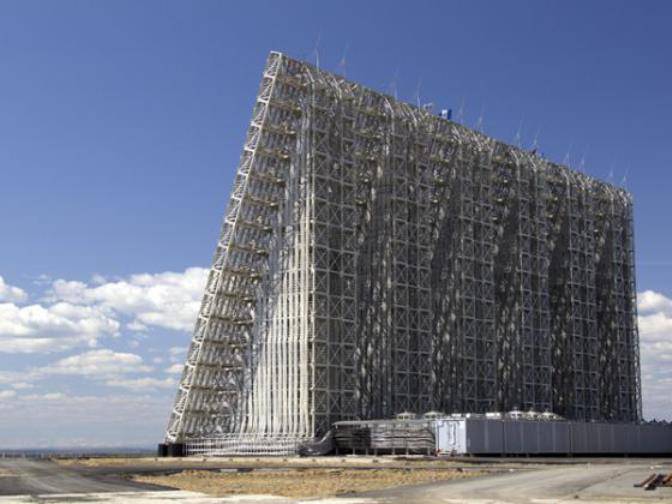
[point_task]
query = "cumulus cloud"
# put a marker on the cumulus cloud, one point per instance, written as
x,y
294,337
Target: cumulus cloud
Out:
x,y
104,366
76,318
651,301
136,326
10,377
11,294
50,396
176,368
655,328
74,314
98,364
144,383
22,385
169,300
60,326
56,419
177,353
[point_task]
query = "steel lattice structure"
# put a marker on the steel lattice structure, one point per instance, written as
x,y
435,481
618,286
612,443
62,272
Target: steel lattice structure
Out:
x,y
376,258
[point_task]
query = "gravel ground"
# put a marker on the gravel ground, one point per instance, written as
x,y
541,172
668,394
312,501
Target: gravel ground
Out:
x,y
301,483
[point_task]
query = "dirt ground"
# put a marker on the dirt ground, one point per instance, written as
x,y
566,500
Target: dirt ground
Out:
x,y
301,483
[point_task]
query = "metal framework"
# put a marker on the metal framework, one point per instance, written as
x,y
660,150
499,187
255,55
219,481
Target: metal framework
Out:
x,y
376,258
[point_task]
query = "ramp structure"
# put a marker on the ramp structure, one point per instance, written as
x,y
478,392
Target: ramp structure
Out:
x,y
376,258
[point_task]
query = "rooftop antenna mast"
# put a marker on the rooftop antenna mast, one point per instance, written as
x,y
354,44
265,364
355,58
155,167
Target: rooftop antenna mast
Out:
x,y
517,140
417,92
567,159
624,180
535,142
479,122
393,84
459,117
582,162
316,50
610,176
342,65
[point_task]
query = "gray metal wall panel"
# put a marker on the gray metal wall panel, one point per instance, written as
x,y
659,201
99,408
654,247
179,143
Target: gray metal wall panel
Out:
x,y
495,436
476,440
531,433
514,437
623,439
484,436
547,437
650,440
523,437
593,441
561,442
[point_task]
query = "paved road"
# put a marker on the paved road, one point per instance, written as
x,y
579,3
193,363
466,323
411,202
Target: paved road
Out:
x,y
28,476
611,483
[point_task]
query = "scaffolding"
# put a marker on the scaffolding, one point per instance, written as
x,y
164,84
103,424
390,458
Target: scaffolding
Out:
x,y
376,258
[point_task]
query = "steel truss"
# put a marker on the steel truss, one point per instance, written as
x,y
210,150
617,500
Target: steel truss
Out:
x,y
375,258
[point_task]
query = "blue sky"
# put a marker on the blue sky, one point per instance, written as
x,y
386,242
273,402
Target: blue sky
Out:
x,y
121,124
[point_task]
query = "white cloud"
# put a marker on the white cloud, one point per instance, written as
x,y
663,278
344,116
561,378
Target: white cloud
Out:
x,y
55,419
61,326
11,294
651,301
101,363
10,377
42,280
22,385
176,368
76,314
177,353
145,383
98,279
655,328
113,369
170,300
50,396
136,326
103,366
76,317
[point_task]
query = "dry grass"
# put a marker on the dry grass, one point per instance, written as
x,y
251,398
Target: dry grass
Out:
x,y
301,483
279,462
109,461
